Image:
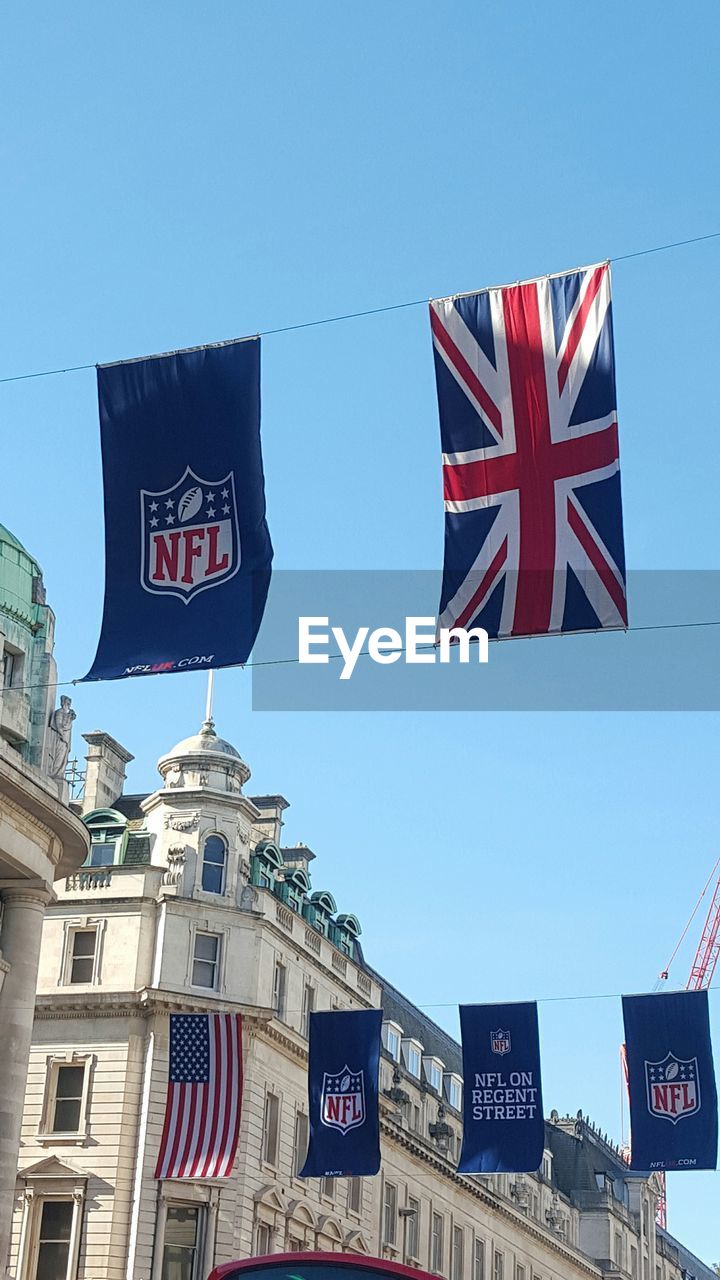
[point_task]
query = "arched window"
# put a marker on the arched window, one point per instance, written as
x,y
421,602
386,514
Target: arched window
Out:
x,y
213,871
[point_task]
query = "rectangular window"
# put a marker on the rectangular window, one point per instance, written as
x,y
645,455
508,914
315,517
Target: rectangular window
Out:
x,y
301,1140
327,1188
295,1244
498,1265
412,1238
633,1262
81,965
457,1254
479,1260
182,1242
415,1118
262,1240
390,1203
519,1271
54,1239
455,1093
355,1195
206,960
436,1243
279,990
414,1060
308,1007
102,851
618,1250
271,1128
67,1101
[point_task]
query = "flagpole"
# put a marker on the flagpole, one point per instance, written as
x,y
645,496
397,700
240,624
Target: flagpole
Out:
x,y
209,698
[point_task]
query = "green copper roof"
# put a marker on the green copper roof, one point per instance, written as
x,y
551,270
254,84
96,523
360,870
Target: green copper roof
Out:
x,y
19,574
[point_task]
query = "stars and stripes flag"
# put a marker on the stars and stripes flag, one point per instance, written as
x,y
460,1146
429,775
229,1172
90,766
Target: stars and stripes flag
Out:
x,y
533,520
202,1113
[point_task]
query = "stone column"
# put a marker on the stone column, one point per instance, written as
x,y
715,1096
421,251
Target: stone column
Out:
x,y
23,910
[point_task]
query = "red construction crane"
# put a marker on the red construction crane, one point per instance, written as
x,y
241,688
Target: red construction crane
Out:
x,y
701,976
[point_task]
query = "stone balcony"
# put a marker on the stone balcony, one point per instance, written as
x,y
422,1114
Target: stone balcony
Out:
x,y
111,882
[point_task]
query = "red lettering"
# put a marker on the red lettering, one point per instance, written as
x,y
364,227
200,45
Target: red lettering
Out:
x,y
688,1101
332,1106
166,556
215,565
660,1097
191,551
675,1096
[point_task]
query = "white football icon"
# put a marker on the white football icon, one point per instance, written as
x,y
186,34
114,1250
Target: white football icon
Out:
x,y
671,1070
190,503
344,1084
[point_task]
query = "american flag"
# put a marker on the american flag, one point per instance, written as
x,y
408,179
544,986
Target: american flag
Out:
x,y
533,520
202,1112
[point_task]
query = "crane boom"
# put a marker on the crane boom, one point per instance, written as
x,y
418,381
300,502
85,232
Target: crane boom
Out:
x,y
708,951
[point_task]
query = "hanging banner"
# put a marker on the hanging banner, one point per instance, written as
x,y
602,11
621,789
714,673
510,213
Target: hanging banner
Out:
x,y
526,392
344,1062
187,549
503,1124
671,1081
204,1095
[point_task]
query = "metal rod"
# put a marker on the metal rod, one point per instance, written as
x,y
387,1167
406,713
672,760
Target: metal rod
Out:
x,y
210,691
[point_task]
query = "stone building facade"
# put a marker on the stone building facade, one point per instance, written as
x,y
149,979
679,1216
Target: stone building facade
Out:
x,y
190,901
40,839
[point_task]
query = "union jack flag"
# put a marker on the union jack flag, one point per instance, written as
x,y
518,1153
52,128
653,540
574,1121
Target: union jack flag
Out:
x,y
533,519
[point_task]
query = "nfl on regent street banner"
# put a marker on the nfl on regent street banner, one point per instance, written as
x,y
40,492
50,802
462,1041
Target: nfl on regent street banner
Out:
x,y
344,1062
187,548
671,1081
503,1123
528,418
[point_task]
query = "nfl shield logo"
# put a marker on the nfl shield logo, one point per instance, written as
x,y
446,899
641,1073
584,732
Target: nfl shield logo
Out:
x,y
500,1041
190,536
673,1088
342,1104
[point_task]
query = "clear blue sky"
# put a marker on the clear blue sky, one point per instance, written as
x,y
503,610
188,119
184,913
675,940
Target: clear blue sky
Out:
x,y
177,173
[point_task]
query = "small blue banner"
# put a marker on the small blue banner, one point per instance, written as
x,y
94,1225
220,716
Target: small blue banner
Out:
x,y
671,1081
503,1124
187,548
344,1063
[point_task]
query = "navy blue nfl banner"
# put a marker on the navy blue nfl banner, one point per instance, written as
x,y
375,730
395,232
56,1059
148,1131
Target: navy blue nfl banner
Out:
x,y
671,1081
503,1123
344,1062
187,548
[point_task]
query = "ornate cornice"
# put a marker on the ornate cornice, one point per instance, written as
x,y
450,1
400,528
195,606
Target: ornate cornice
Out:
x,y
144,1004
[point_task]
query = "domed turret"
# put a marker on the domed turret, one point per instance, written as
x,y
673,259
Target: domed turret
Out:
x,y
204,760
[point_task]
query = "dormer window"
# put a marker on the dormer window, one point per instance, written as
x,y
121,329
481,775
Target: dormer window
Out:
x,y
434,1068
266,862
453,1090
412,1051
213,868
392,1038
108,830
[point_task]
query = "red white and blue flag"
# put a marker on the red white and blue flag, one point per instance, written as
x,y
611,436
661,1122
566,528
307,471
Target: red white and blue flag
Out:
x,y
533,518
202,1112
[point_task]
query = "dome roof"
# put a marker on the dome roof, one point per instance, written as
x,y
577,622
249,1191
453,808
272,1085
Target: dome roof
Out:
x,y
206,741
10,540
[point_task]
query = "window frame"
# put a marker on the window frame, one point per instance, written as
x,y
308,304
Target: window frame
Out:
x,y
299,1157
201,1209
308,1007
458,1238
54,1064
498,1264
355,1196
271,1097
390,1213
219,936
279,992
436,1265
412,1237
479,1253
68,1191
71,929
214,893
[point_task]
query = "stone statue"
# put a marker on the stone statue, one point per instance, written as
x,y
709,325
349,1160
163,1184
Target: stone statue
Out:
x,y
60,723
